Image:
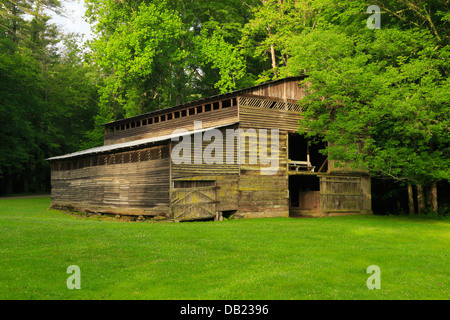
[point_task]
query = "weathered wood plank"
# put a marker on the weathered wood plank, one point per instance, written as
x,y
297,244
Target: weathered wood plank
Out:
x,y
124,188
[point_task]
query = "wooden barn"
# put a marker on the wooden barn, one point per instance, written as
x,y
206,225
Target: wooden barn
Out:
x,y
135,172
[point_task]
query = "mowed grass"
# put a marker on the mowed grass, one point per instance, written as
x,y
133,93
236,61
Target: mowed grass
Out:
x,y
279,258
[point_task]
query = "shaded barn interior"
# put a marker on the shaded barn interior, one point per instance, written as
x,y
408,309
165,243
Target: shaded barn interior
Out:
x,y
302,149
304,192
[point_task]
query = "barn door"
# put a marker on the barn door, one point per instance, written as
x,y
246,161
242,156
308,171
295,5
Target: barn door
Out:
x,y
193,200
340,194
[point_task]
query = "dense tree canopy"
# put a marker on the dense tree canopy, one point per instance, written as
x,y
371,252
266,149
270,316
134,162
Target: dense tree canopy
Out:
x,y
156,54
48,100
379,96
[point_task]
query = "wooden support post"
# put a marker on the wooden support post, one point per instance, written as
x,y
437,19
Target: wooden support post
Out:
x,y
287,156
323,165
218,216
307,153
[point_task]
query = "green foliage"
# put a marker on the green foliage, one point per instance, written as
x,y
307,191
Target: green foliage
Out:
x,y
224,57
131,53
19,85
380,97
268,35
47,95
157,54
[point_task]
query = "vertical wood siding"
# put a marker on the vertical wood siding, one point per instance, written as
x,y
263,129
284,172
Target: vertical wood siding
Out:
x,y
224,175
264,195
209,119
288,89
252,117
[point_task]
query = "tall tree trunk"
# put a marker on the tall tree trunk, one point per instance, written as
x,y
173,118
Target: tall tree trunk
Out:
x,y
14,28
178,86
274,61
434,197
420,199
272,54
410,199
427,194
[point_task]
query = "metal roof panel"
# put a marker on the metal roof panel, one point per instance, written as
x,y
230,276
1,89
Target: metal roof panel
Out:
x,y
132,144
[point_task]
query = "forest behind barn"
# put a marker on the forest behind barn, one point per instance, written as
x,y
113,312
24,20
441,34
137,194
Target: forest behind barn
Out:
x,y
383,93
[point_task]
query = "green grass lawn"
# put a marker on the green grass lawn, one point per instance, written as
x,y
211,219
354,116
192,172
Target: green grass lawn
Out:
x,y
279,258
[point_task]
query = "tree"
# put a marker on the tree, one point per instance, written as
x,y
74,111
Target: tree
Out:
x,y
19,86
224,57
132,53
268,34
47,97
156,54
380,97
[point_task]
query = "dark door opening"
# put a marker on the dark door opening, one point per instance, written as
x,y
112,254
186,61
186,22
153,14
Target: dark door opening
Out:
x,y
306,155
304,192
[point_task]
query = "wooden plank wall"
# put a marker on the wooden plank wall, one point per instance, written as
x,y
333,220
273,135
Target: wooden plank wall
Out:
x,y
343,194
267,195
134,188
285,90
366,194
226,189
251,117
264,195
288,89
210,119
226,175
192,169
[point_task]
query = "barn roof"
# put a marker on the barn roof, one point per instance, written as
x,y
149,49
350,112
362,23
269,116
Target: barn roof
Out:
x,y
132,144
206,99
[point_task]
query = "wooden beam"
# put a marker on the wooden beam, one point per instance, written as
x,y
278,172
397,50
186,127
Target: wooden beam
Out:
x,y
308,158
323,165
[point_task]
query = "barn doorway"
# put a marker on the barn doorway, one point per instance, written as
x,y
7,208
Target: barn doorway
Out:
x,y
305,166
304,192
304,156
